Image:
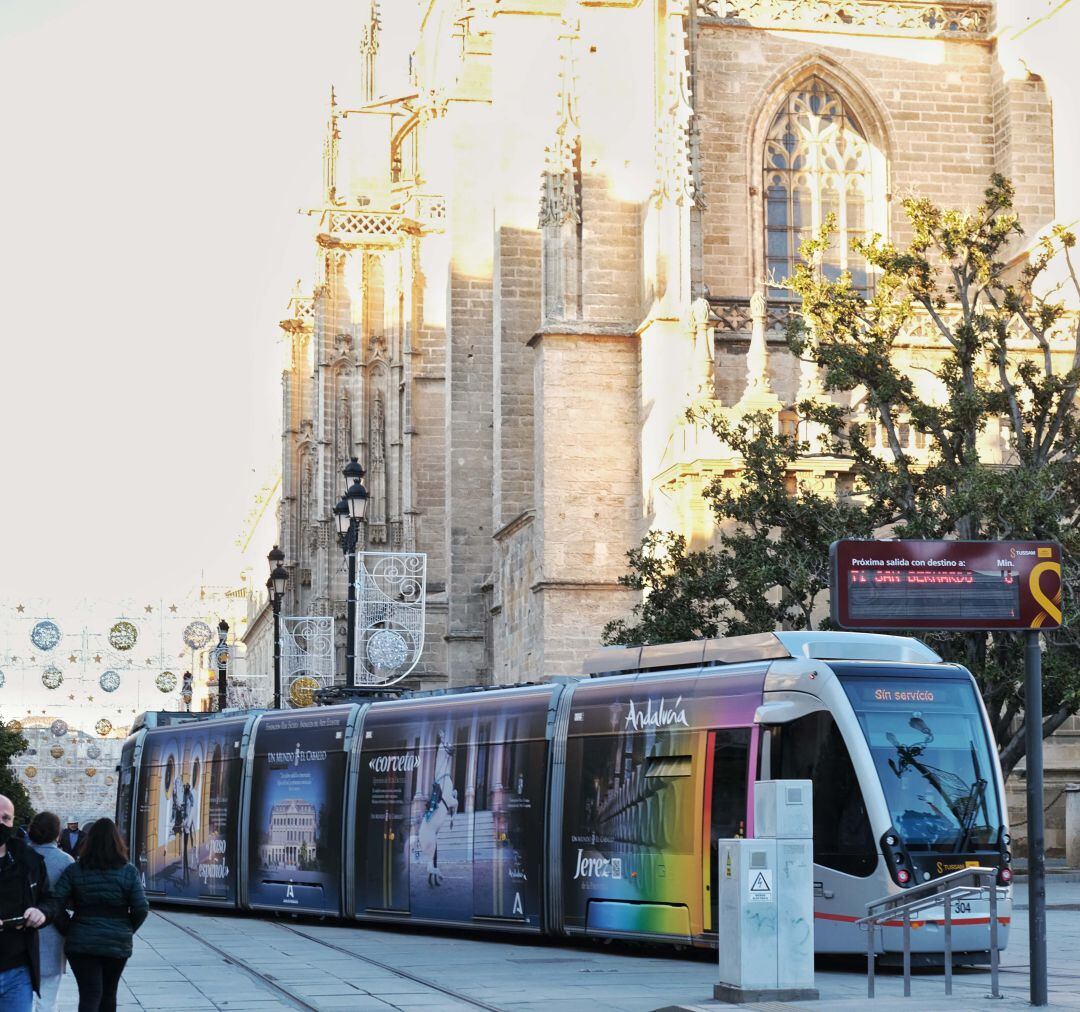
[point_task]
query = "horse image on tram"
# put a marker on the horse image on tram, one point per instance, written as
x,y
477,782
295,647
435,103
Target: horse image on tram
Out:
x,y
589,807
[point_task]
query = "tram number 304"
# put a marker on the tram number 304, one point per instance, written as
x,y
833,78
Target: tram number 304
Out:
x,y
961,907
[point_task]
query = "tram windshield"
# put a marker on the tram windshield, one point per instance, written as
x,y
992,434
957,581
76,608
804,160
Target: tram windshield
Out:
x,y
932,755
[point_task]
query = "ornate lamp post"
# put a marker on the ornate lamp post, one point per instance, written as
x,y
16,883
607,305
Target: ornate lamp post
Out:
x,y
348,514
275,584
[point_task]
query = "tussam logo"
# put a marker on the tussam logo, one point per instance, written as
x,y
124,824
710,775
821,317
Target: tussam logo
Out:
x,y
296,757
597,867
639,719
394,763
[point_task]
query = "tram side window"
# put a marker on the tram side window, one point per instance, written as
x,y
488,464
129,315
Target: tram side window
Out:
x,y
811,748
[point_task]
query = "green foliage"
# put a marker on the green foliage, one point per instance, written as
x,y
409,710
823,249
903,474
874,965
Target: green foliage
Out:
x,y
1005,364
12,744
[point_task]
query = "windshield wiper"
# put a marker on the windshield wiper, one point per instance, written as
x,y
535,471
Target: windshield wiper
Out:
x,y
976,799
909,756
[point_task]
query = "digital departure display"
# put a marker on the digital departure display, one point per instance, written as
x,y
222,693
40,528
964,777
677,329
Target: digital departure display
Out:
x,y
946,584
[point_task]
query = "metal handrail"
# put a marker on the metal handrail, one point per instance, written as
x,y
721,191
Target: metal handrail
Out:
x,y
968,882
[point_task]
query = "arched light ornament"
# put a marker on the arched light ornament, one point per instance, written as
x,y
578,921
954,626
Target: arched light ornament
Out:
x,y
390,612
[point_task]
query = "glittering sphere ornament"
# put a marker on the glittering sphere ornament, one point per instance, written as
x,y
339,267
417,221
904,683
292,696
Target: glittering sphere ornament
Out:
x,y
31,772
108,781
166,681
109,681
197,634
59,728
93,751
52,677
123,635
387,650
14,725
301,692
56,751
90,771
103,727
45,635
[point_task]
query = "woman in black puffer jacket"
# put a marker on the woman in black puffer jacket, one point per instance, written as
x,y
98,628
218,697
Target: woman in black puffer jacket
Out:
x,y
107,896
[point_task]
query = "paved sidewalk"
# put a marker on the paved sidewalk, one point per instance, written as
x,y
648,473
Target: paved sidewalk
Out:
x,y
172,971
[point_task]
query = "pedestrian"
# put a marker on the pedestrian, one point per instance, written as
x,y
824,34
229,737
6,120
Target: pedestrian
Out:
x,y
44,834
105,892
71,838
25,906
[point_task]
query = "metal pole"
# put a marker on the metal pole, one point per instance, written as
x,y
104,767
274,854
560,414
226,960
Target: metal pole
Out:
x,y
907,953
948,945
994,956
277,651
1036,838
350,633
870,960
1035,828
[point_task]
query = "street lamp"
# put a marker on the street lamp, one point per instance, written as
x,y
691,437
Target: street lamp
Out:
x,y
348,515
221,658
275,585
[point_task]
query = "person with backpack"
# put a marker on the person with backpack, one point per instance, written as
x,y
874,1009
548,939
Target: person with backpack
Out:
x,y
44,832
109,904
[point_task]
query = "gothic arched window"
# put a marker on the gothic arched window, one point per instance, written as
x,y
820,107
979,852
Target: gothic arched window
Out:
x,y
817,161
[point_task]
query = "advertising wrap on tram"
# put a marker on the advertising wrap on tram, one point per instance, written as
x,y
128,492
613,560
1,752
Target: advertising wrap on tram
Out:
x,y
187,810
298,781
450,812
639,761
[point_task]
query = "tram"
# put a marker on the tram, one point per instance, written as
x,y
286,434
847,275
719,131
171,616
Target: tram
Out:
x,y
589,806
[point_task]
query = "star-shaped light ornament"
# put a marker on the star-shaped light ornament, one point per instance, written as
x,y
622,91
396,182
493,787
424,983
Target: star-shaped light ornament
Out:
x,y
72,696
172,608
72,658
97,658
20,608
149,609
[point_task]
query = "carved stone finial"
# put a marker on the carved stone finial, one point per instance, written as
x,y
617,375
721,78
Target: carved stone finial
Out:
x,y
757,307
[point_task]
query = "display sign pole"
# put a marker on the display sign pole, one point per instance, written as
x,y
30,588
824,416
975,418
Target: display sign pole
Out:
x,y
1036,843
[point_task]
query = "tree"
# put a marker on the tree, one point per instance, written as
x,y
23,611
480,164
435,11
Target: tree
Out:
x,y
1009,361
12,744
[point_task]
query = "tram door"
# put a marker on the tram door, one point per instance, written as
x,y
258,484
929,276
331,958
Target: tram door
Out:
x,y
726,792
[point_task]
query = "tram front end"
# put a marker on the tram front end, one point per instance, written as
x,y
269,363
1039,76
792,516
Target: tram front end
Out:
x,y
907,786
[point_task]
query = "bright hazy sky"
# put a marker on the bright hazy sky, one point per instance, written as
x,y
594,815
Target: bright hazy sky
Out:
x,y
154,158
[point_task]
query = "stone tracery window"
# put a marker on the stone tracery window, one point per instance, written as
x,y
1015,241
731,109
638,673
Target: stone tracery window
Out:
x,y
817,161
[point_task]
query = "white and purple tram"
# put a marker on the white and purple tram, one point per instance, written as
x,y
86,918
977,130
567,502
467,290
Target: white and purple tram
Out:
x,y
586,807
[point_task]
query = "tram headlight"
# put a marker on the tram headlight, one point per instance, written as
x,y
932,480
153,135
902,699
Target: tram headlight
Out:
x,y
891,841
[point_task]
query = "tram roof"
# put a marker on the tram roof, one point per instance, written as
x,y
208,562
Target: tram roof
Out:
x,y
769,646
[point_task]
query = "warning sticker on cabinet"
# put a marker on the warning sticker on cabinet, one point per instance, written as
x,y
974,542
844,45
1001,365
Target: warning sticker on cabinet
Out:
x,y
761,885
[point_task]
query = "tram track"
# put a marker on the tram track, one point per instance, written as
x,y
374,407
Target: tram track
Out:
x,y
298,1001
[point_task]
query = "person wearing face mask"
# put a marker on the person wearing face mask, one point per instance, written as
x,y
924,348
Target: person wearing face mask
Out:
x,y
26,904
